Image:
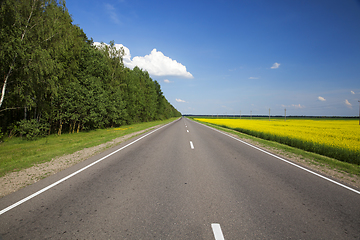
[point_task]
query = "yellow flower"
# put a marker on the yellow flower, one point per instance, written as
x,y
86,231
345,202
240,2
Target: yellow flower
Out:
x,y
334,136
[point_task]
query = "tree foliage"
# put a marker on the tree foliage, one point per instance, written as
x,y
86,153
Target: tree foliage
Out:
x,y
53,76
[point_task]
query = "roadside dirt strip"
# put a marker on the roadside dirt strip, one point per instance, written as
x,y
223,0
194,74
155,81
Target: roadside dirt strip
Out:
x,y
14,181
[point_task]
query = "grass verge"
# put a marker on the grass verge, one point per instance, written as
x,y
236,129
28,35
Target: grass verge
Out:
x,y
17,154
291,152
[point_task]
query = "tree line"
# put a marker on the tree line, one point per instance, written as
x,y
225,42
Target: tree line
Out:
x,y
55,80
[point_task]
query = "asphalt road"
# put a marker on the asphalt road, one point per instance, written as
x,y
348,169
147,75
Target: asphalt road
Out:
x,y
174,184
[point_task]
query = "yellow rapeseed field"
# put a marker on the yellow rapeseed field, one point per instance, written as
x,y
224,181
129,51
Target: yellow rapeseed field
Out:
x,y
334,138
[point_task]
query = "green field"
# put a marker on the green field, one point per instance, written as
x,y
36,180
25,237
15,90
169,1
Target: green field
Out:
x,y
17,154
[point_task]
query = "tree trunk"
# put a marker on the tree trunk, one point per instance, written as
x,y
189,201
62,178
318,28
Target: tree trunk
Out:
x,y
59,132
49,127
4,86
13,62
73,127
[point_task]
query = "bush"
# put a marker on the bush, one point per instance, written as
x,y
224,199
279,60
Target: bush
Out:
x,y
32,129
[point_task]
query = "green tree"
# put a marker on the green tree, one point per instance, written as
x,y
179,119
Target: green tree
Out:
x,y
55,77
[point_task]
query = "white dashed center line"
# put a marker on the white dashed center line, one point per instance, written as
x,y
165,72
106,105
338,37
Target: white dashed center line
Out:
x,y
187,130
217,231
191,145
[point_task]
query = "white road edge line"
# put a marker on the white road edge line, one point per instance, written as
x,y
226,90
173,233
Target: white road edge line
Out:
x,y
78,171
191,145
217,231
282,159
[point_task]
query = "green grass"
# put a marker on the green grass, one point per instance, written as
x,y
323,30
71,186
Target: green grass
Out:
x,y
311,158
17,154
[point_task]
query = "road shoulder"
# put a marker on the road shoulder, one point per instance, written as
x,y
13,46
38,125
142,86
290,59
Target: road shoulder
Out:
x,y
14,181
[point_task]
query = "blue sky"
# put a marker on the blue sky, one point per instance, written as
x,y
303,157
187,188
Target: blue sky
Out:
x,y
224,56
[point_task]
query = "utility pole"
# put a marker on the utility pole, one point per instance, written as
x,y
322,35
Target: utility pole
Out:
x,y
250,114
240,114
269,114
285,114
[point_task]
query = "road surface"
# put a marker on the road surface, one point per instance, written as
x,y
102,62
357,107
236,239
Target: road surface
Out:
x,y
182,181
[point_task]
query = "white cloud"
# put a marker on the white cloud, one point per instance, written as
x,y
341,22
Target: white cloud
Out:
x,y
297,106
275,65
179,100
348,104
156,63
253,78
352,92
166,81
322,99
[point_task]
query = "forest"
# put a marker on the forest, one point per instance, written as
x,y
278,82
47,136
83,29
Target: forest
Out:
x,y
55,80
